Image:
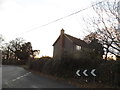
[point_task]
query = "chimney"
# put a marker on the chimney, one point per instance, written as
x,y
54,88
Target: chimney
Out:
x,y
62,31
62,43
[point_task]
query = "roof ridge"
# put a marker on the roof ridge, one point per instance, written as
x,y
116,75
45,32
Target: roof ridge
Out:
x,y
73,37
76,40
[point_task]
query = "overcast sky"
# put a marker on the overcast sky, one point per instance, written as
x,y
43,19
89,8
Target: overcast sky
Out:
x,y
19,16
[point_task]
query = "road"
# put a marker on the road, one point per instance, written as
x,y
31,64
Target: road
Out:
x,y
18,77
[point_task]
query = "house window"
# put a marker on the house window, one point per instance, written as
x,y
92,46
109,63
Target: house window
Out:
x,y
78,47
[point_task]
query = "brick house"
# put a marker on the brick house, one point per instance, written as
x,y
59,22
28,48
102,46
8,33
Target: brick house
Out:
x,y
68,46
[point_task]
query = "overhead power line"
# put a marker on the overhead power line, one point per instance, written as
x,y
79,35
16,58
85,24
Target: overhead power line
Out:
x,y
61,18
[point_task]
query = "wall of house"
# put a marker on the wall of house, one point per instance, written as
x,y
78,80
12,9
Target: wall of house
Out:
x,y
58,46
76,53
63,51
65,48
57,50
68,47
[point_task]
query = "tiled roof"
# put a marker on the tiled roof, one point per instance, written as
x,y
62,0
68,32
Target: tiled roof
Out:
x,y
76,40
56,40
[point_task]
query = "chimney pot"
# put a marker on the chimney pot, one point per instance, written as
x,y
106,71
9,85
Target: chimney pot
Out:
x,y
62,31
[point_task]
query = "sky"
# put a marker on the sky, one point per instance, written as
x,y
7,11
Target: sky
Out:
x,y
24,18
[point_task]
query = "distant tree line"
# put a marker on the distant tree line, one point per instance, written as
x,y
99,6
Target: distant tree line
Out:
x,y
16,51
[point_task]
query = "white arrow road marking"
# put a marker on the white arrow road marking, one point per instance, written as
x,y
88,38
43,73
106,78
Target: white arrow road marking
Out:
x,y
92,72
84,72
78,72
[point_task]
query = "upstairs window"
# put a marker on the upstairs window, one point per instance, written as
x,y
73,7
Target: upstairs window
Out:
x,y
78,47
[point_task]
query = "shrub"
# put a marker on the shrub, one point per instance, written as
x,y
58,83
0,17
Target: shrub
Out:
x,y
37,64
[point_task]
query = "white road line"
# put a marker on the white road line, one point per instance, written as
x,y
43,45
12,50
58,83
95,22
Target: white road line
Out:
x,y
24,75
18,78
14,80
21,76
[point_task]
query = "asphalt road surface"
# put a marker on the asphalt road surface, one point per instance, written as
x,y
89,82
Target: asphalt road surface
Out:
x,y
18,77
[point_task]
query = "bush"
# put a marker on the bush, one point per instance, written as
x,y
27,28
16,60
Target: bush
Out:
x,y
37,64
12,62
107,72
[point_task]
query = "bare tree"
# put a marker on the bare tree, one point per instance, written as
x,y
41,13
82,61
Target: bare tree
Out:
x,y
10,48
1,41
16,44
106,26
